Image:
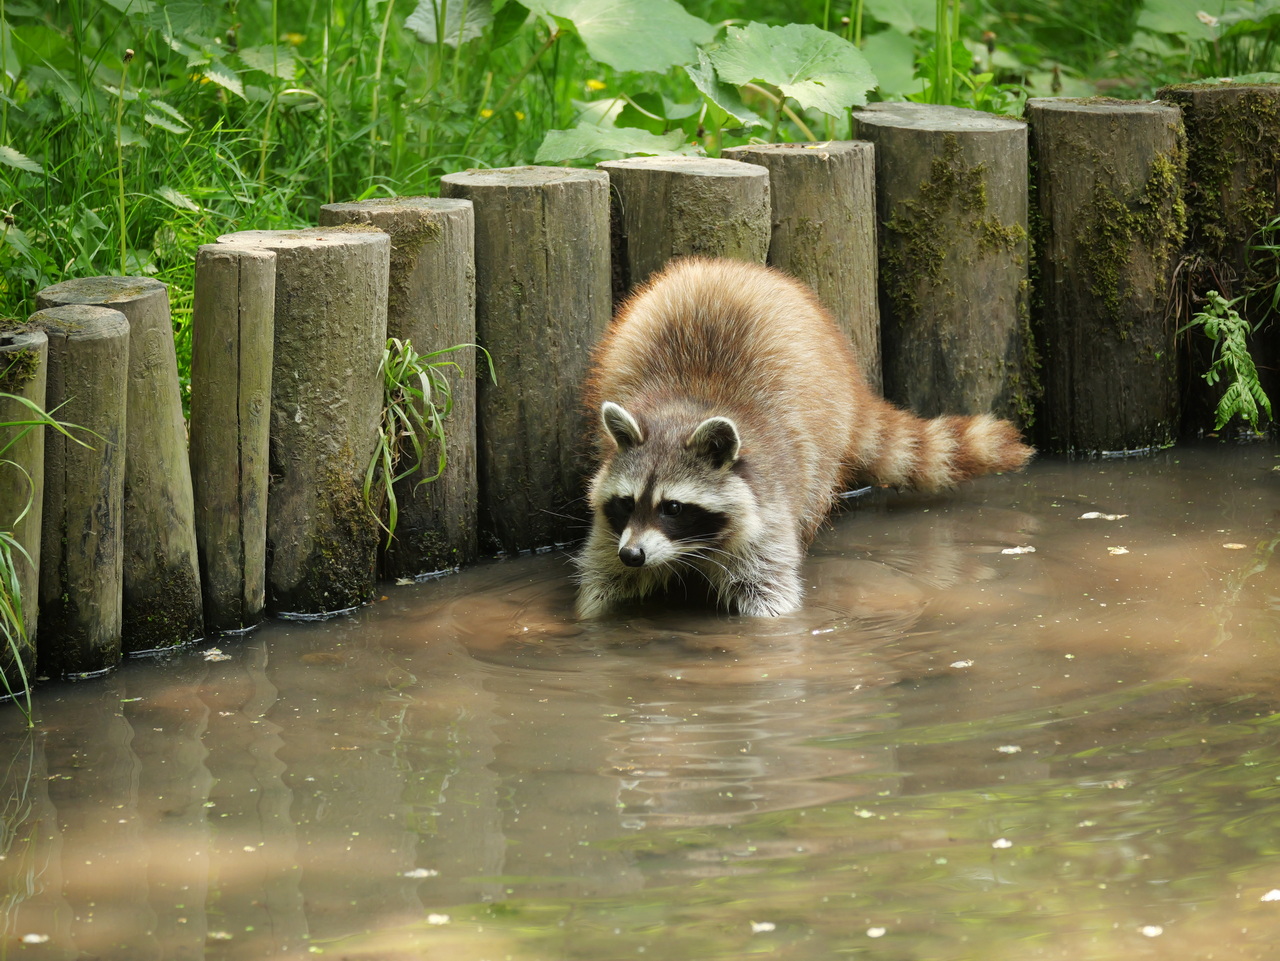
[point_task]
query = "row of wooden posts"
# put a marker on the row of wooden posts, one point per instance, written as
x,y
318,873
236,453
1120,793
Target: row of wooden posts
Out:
x,y
917,236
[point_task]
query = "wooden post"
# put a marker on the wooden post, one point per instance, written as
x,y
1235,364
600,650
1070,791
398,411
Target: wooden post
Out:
x,y
542,300
1108,187
432,304
823,197
23,373
665,207
232,330
82,542
951,198
1233,190
326,399
161,574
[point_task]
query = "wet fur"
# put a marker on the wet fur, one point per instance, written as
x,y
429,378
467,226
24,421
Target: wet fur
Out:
x,y
708,342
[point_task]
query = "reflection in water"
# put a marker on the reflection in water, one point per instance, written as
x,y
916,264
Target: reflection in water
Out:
x,y
960,749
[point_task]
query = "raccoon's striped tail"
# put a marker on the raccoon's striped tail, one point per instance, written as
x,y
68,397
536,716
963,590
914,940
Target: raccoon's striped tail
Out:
x,y
910,451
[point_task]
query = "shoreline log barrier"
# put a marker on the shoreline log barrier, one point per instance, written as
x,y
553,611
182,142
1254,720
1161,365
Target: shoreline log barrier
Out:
x,y
232,335
326,399
542,302
82,544
1108,187
432,304
823,198
23,373
951,204
665,207
1233,190
161,574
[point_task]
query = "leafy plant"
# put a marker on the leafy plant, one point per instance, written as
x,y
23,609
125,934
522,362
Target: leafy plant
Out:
x,y
417,398
1232,364
755,66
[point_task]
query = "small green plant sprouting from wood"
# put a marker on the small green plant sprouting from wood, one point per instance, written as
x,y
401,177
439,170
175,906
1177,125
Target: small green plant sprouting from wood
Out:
x,y
416,399
1242,395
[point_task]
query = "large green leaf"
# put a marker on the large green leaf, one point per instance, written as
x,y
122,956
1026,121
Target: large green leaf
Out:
x,y
463,20
906,15
224,77
587,139
631,34
1180,16
720,93
11,158
891,54
817,68
272,59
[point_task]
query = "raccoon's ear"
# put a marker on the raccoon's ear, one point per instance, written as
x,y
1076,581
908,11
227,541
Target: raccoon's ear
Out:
x,y
622,427
715,439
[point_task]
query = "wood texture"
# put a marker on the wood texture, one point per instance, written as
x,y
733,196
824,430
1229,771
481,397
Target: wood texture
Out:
x,y
326,398
1233,191
432,304
23,373
542,300
232,332
82,545
951,201
1108,187
665,207
823,198
162,604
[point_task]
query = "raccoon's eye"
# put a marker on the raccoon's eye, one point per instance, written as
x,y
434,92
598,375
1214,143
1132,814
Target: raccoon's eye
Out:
x,y
670,508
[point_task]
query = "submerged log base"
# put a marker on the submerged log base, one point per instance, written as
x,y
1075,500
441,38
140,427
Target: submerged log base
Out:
x,y
23,374
542,300
1233,190
665,207
232,327
161,574
951,202
1109,178
432,304
326,399
82,545
823,197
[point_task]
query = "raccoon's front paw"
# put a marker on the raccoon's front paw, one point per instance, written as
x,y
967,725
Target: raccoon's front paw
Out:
x,y
764,600
768,606
594,600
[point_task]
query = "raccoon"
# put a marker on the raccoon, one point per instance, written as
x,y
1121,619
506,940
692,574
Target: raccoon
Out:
x,y
731,411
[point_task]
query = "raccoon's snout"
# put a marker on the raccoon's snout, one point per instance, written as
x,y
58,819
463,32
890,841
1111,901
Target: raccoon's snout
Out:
x,y
631,556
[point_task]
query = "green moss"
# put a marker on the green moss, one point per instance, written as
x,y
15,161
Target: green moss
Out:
x,y
164,612
407,241
1112,227
1233,167
17,367
950,213
339,574
914,250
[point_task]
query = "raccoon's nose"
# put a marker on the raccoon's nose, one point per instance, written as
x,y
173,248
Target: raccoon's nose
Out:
x,y
631,556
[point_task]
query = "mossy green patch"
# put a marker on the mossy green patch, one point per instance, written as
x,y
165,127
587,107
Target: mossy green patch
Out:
x,y
1113,226
919,233
1233,170
339,573
18,366
164,611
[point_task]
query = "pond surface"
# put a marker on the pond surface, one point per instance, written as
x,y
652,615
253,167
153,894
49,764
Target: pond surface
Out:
x,y
962,749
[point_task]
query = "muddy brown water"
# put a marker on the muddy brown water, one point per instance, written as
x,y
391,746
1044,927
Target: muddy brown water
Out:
x,y
962,749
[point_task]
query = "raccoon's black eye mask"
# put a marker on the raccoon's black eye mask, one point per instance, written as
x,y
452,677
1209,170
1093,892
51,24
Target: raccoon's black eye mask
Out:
x,y
677,520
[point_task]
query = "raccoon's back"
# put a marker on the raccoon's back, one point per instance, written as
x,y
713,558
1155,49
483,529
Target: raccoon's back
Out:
x,y
739,338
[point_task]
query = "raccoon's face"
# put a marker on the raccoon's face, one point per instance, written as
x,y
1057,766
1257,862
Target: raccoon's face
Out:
x,y
665,496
